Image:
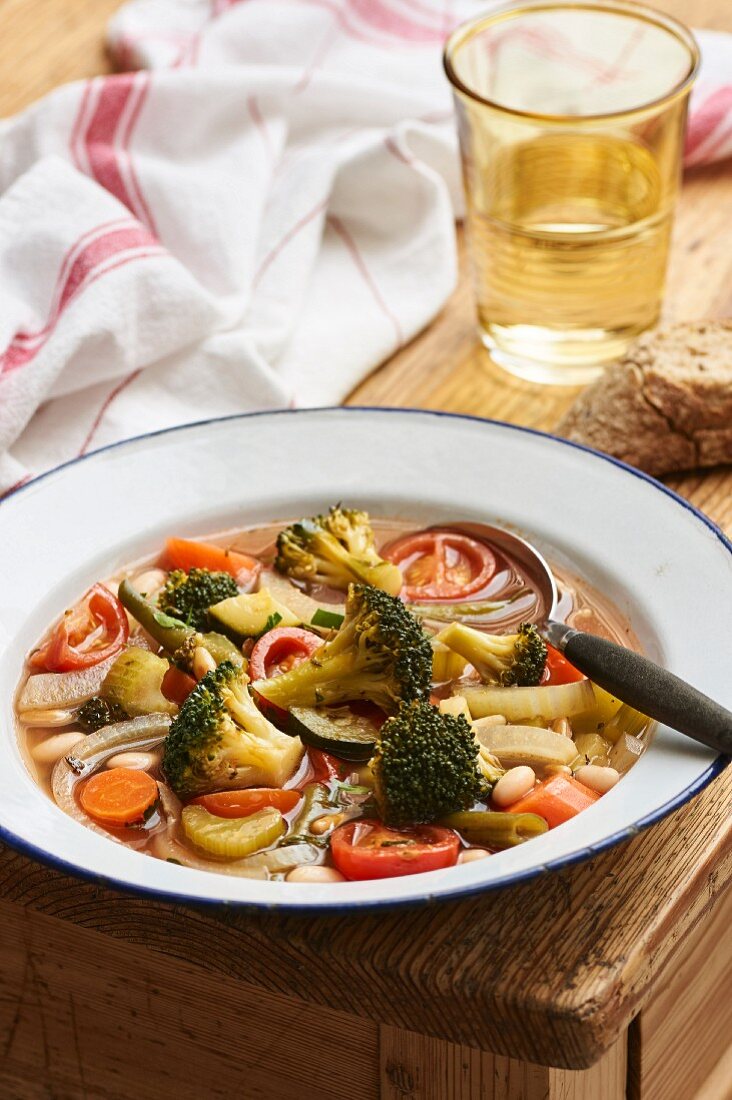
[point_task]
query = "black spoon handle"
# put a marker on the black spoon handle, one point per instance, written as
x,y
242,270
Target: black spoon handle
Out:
x,y
645,686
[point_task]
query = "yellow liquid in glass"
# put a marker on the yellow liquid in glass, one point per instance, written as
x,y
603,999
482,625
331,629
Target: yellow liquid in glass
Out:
x,y
569,237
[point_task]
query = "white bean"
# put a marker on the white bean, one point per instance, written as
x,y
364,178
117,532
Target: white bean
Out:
x,y
53,748
314,874
325,823
597,778
470,855
49,718
202,662
557,769
138,761
561,725
513,785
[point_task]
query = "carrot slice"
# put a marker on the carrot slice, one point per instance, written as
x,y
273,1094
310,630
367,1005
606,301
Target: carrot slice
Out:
x,y
120,796
556,800
184,554
177,685
244,803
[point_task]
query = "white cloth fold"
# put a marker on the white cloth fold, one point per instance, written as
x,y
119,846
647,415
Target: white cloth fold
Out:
x,y
256,216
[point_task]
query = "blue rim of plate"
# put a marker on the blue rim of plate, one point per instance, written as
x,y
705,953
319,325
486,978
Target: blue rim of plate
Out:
x,y
517,878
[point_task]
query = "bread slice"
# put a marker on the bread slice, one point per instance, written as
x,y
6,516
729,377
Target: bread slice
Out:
x,y
667,405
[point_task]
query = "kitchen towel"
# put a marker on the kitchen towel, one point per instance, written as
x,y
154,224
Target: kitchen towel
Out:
x,y
253,214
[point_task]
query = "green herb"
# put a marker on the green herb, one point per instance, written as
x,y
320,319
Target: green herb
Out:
x,y
316,841
166,621
337,786
330,619
271,623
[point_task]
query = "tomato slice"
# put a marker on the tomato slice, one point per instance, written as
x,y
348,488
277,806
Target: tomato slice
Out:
x,y
367,849
441,565
281,649
558,670
326,768
245,803
95,629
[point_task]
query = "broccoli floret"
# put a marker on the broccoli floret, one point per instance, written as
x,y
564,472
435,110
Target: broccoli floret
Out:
x,y
380,653
188,596
505,659
97,712
425,766
221,741
335,549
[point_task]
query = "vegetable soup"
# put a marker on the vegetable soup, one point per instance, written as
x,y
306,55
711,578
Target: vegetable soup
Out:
x,y
323,700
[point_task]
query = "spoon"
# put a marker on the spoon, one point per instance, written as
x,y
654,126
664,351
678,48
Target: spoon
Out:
x,y
627,675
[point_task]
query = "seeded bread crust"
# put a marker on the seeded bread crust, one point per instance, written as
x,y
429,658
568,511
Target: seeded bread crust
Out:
x,y
667,405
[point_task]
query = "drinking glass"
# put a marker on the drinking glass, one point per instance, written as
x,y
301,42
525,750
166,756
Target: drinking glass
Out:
x,y
571,119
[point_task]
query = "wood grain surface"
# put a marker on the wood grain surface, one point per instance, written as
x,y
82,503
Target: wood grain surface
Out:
x,y
147,1026
693,999
415,1067
551,972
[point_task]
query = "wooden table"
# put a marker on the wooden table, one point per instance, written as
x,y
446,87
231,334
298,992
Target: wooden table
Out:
x,y
618,972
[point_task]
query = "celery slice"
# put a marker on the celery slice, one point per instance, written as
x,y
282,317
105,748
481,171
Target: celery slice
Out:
x,y
547,701
134,682
232,837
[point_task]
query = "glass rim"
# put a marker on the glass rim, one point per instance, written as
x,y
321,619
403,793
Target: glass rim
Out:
x,y
640,12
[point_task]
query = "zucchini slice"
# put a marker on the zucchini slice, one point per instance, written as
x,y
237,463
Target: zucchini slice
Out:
x,y
337,730
247,615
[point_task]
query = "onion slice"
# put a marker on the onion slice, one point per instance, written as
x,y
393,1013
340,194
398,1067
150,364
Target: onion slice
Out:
x,y
166,846
90,752
517,608
515,745
514,703
55,690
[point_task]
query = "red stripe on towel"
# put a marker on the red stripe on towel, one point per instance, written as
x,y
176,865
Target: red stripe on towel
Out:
x,y
256,116
108,113
707,117
16,485
337,225
127,243
105,406
274,252
709,152
66,264
380,16
100,136
76,142
143,80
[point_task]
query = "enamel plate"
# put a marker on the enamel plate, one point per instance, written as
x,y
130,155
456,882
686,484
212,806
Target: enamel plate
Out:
x,y
666,567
